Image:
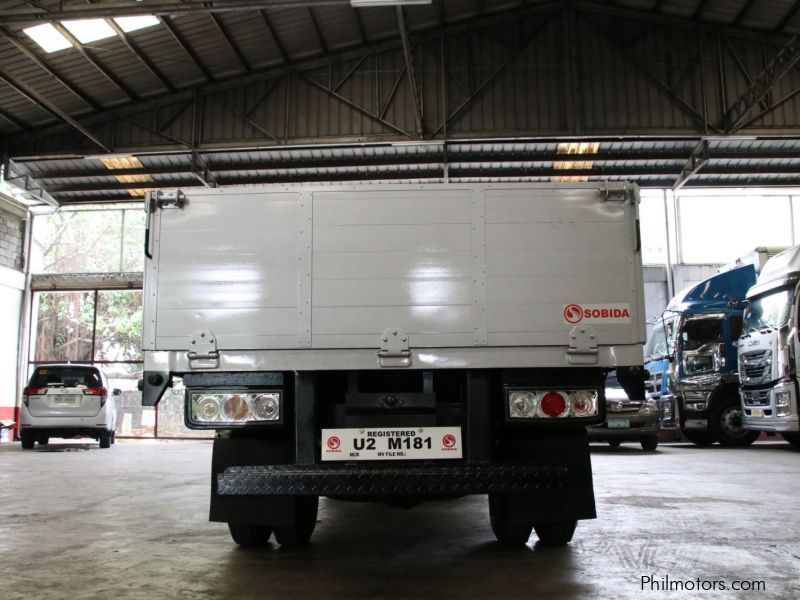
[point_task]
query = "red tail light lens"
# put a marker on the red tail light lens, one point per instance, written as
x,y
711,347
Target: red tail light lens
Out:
x,y
553,404
102,392
95,392
32,391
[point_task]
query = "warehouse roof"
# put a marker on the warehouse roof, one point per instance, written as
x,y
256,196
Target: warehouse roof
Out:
x,y
105,64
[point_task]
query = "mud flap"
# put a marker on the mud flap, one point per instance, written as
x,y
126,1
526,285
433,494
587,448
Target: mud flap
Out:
x,y
569,449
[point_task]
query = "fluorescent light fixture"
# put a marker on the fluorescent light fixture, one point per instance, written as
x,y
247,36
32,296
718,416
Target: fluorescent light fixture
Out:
x,y
89,30
371,3
128,24
48,37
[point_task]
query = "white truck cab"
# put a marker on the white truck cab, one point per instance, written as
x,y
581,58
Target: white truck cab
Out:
x,y
768,349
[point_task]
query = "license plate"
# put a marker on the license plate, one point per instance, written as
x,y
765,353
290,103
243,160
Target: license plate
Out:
x,y
64,400
391,443
757,412
619,423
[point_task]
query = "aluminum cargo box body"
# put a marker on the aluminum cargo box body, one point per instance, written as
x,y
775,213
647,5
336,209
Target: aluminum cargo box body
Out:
x,y
472,275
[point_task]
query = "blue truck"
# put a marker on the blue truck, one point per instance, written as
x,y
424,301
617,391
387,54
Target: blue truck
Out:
x,y
691,355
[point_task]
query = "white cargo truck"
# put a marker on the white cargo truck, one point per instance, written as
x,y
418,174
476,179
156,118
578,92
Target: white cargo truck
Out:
x,y
395,343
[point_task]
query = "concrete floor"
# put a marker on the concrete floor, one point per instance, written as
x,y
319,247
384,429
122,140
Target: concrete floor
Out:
x,y
130,522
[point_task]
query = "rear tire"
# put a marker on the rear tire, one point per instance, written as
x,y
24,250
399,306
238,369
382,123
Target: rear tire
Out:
x,y
792,438
725,424
113,437
28,438
506,532
614,443
250,536
105,439
699,438
649,443
557,533
299,532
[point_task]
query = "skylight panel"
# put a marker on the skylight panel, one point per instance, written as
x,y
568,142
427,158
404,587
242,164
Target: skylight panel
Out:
x,y
89,30
48,37
128,24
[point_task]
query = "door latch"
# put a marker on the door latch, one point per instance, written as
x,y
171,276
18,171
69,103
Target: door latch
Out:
x,y
582,349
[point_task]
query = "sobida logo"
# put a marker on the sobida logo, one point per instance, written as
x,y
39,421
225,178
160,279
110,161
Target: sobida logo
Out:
x,y
596,313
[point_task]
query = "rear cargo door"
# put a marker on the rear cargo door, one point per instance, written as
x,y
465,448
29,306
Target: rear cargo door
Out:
x,y
232,262
394,259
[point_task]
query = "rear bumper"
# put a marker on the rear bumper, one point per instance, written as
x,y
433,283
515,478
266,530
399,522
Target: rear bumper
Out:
x,y
102,420
357,480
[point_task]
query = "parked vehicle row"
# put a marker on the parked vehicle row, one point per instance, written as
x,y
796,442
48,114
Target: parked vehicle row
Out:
x,y
723,351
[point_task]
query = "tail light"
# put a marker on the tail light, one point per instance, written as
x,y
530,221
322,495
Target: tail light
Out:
x,y
102,392
553,404
32,391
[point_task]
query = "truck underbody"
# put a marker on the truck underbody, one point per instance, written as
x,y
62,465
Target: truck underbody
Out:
x,y
268,478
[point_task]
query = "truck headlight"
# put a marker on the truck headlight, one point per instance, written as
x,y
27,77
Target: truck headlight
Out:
x,y
783,402
209,409
552,404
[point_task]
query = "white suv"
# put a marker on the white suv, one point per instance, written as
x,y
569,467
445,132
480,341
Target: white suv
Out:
x,y
67,401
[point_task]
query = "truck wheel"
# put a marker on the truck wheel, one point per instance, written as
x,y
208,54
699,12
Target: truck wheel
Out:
x,y
506,532
113,437
699,438
614,443
250,536
649,443
555,534
105,439
305,520
726,426
792,438
28,438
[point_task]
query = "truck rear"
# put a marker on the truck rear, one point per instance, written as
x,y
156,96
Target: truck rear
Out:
x,y
395,344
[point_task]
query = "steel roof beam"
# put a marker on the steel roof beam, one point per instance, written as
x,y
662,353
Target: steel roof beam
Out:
x,y
317,31
140,54
784,61
42,102
18,43
90,58
697,160
275,38
412,73
226,35
743,13
79,9
6,116
787,17
186,47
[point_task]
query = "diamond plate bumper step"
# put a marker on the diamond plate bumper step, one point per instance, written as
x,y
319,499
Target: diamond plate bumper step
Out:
x,y
356,480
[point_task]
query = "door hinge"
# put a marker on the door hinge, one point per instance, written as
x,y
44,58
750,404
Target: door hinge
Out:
x,y
166,199
582,349
394,350
203,353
